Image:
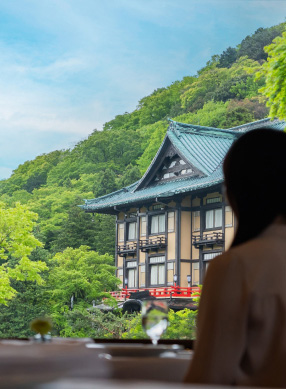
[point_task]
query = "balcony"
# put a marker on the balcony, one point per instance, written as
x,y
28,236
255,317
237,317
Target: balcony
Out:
x,y
163,292
151,244
208,239
127,249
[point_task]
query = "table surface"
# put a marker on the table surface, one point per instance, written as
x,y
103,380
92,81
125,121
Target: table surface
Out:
x,y
69,364
30,364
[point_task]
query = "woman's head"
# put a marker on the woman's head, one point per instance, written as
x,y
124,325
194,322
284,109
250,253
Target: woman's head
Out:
x,y
255,173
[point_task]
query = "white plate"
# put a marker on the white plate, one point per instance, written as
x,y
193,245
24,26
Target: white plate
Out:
x,y
133,349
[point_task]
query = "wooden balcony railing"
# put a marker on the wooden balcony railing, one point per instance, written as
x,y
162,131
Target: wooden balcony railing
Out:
x,y
127,249
146,245
209,239
164,292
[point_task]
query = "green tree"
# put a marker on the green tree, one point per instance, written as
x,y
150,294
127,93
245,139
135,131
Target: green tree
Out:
x,y
227,58
274,71
131,175
182,325
16,244
78,229
253,45
93,323
81,274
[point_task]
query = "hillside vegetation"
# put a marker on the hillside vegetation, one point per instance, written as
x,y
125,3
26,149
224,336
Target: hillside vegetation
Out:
x,y
224,93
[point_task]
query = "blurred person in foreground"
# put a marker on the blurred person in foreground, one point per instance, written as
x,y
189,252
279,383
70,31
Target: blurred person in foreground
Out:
x,y
241,337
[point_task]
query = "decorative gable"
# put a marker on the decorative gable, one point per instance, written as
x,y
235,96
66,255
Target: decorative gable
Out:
x,y
174,166
169,165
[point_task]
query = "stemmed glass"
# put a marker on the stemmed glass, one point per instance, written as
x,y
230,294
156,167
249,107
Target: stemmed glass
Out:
x,y
154,318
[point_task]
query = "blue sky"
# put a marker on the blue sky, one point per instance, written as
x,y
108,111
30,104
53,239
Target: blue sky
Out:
x,y
69,66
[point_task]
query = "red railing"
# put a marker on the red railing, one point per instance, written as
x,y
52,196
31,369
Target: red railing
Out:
x,y
164,292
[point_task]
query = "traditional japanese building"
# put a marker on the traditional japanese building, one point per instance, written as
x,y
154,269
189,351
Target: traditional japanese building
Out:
x,y
175,220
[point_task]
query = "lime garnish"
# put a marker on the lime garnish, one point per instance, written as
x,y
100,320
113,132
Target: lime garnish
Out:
x,y
42,325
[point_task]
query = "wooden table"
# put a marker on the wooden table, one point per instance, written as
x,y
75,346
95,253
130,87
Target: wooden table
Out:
x,y
28,364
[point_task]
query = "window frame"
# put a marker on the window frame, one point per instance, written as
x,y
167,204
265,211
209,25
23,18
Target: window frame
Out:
x,y
120,231
160,263
143,222
171,215
164,224
214,227
128,231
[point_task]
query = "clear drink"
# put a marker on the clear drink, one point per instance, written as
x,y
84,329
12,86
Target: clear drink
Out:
x,y
154,318
154,326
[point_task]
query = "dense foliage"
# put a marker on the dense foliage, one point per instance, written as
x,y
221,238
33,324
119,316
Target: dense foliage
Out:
x,y
275,71
225,93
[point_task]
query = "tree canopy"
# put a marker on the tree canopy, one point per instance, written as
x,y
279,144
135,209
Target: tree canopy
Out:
x,y
16,244
274,71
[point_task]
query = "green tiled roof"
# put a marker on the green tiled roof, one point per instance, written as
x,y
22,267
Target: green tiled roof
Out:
x,y
202,147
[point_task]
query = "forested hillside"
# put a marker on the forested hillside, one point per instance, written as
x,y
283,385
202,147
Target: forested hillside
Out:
x,y
225,93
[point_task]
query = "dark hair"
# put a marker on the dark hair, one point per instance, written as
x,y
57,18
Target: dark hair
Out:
x,y
255,174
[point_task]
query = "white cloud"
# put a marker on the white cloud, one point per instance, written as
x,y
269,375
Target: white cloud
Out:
x,y
67,67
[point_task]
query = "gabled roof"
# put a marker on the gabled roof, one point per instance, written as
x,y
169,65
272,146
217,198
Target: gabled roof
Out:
x,y
202,147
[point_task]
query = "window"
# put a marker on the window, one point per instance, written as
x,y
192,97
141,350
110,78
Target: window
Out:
x,y
196,221
228,216
213,200
157,259
157,275
171,221
143,226
132,231
170,265
157,270
169,175
214,218
195,273
121,232
120,274
208,257
158,224
132,278
131,264
186,171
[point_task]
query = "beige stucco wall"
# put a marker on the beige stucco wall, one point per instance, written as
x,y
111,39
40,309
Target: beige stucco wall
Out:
x,y
141,278
141,257
171,245
185,270
195,252
196,202
229,234
121,216
186,202
120,261
170,276
229,231
185,235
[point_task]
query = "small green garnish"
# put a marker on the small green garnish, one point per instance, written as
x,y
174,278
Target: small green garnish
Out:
x,y
41,325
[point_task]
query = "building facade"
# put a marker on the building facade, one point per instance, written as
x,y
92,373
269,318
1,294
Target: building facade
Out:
x,y
175,220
